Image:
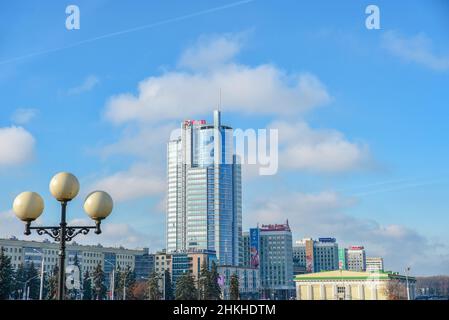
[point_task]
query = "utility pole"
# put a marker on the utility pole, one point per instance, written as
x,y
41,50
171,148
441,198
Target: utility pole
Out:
x,y
41,288
113,285
406,281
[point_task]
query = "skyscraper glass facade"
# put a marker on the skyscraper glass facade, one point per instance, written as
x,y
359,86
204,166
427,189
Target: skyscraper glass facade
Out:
x,y
204,191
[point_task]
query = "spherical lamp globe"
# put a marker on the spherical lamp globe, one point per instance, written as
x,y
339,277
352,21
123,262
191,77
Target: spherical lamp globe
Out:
x,y
98,205
28,206
64,186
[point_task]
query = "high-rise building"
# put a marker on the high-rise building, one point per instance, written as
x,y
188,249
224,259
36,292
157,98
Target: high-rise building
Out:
x,y
204,203
276,259
374,264
314,256
246,250
356,258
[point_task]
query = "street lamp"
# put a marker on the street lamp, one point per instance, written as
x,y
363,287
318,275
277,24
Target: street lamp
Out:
x,y
64,187
41,286
407,270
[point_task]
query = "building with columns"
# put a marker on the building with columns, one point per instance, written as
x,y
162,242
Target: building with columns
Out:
x,y
352,285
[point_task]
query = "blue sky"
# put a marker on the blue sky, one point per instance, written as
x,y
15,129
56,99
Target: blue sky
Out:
x,y
362,114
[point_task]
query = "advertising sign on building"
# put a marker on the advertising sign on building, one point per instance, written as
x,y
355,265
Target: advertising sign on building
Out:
x,y
309,256
342,259
254,241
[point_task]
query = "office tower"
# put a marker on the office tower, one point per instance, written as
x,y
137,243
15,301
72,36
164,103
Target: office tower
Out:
x,y
276,259
246,249
314,256
204,204
356,258
374,264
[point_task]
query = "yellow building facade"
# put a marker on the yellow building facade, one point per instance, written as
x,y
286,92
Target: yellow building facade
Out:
x,y
351,285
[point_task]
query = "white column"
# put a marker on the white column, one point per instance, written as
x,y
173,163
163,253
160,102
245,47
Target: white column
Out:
x,y
361,291
310,292
348,295
374,292
322,292
335,291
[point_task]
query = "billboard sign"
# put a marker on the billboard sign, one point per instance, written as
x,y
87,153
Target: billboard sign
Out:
x,y
309,256
254,244
342,259
332,240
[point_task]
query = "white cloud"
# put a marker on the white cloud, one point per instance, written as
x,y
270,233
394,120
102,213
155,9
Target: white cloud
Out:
x,y
262,89
323,150
118,234
23,116
417,49
211,52
145,142
138,181
11,226
16,146
324,214
89,83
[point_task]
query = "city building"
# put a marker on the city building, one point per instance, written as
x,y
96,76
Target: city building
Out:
x,y
249,281
350,285
356,258
190,262
374,264
246,249
162,262
88,257
144,264
314,256
204,203
271,251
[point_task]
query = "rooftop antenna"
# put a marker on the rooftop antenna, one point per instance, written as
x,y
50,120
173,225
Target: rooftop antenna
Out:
x,y
219,100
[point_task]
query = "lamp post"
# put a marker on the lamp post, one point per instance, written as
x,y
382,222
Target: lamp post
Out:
x,y
64,187
41,286
406,281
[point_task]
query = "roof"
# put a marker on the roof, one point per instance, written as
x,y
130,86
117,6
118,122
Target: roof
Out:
x,y
347,275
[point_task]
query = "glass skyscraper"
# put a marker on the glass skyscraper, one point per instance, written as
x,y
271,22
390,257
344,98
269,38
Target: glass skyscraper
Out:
x,y
204,202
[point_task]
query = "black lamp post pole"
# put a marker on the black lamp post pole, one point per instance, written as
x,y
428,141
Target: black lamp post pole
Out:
x,y
63,231
62,234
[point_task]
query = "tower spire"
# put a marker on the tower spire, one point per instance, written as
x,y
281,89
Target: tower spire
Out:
x,y
219,100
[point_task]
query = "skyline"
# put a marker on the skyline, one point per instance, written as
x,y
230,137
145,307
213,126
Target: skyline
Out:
x,y
360,113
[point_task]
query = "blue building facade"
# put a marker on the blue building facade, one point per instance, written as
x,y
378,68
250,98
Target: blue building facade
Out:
x,y
204,210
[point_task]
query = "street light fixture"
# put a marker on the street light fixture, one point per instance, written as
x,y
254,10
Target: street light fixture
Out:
x,y
41,285
407,270
64,187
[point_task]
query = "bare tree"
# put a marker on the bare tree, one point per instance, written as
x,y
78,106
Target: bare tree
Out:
x,y
396,290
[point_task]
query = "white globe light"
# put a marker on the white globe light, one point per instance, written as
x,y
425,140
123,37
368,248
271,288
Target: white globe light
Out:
x,y
64,186
98,205
28,206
